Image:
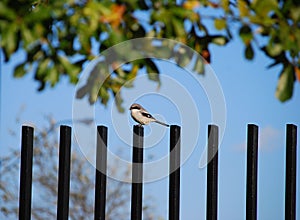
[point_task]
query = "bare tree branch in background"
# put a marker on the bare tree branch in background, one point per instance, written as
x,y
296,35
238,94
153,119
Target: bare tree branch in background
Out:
x,y
45,178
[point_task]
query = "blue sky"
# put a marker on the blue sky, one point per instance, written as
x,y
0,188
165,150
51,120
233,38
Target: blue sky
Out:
x,y
248,89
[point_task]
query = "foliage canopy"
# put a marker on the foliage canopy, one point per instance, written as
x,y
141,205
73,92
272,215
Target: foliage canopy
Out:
x,y
59,37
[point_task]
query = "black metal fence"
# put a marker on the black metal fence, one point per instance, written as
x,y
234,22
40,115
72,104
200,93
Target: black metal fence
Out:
x,y
137,173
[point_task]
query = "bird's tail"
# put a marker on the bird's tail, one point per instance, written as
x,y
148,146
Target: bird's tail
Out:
x,y
159,122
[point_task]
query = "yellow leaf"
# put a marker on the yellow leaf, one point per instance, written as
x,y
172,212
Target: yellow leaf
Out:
x,y
243,8
225,5
220,24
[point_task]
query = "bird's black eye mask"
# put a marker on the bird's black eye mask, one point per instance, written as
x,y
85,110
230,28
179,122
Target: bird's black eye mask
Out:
x,y
135,107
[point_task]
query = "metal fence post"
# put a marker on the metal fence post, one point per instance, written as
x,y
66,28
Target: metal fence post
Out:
x,y
252,162
174,176
291,172
137,173
101,169
64,173
26,173
212,173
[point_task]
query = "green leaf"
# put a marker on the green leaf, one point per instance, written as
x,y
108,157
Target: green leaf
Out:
x,y
52,76
274,49
263,8
178,27
93,93
9,38
285,86
182,13
152,70
295,13
199,66
81,92
104,95
183,59
249,53
28,35
119,101
6,12
42,68
246,34
39,14
182,56
70,69
19,70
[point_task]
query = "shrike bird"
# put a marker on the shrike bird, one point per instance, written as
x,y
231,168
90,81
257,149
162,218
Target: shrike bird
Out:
x,y
141,115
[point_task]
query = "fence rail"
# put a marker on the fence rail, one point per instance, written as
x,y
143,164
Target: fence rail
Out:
x,y
137,173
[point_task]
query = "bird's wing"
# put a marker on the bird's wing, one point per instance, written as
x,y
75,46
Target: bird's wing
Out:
x,y
146,114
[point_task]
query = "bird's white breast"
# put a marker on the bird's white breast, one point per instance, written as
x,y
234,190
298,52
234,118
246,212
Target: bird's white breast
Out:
x,y
137,115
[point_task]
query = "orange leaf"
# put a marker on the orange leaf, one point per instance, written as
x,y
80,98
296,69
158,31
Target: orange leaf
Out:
x,y
191,4
116,16
214,5
206,55
297,72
